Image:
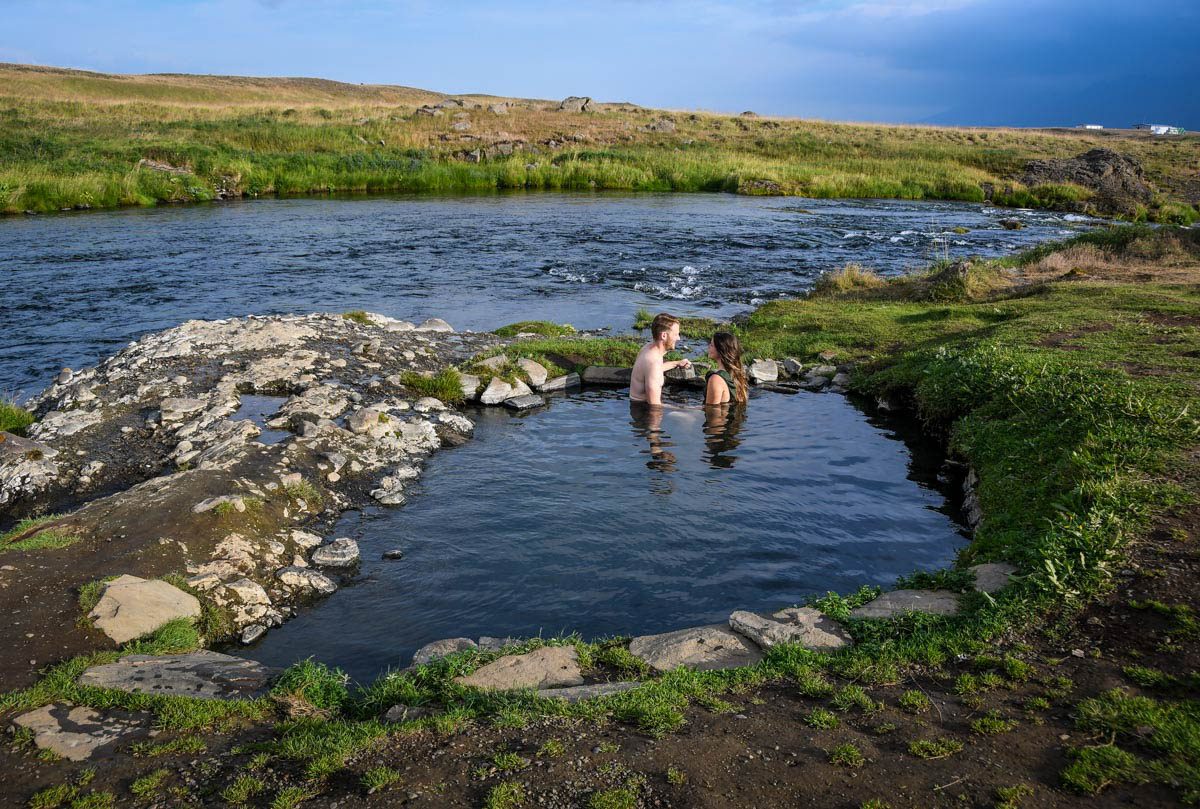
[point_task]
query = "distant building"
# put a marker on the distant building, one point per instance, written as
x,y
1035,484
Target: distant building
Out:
x,y
1160,129
1089,126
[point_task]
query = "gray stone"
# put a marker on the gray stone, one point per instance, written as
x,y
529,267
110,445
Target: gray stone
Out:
x,y
490,644
301,578
763,371
607,375
253,633
130,607
800,625
575,104
341,552
406,713
470,386
235,501
792,366
703,648
393,554
435,324
815,382
579,693
534,370
992,577
566,382
498,109
201,675
440,648
898,602
840,379
525,402
177,408
822,370
548,667
678,374
493,363
496,392
429,404
77,733
14,447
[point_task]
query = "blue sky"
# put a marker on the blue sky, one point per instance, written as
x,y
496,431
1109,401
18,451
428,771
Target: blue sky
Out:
x,y
988,62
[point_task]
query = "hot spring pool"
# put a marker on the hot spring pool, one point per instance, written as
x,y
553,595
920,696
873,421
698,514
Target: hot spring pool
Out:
x,y
585,517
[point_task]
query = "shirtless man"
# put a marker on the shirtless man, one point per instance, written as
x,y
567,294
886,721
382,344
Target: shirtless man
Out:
x,y
645,386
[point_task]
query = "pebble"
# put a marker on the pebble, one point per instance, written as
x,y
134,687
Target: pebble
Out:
x,y
393,554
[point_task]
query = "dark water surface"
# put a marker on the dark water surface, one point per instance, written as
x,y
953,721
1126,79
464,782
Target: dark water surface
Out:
x,y
586,517
79,286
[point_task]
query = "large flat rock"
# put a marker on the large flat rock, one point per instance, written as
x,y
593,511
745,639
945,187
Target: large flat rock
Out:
x,y
441,648
992,577
703,648
800,625
607,375
203,675
78,733
131,607
548,667
898,602
578,693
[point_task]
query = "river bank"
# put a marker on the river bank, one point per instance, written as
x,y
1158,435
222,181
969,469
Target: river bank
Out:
x,y
1062,377
79,140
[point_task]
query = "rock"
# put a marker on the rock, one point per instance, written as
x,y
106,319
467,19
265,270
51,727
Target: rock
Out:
x,y
339,553
77,733
801,625
498,109
305,540
428,404
1011,224
680,374
607,375
461,126
130,607
59,424
249,592
201,675
991,577
579,693
441,648
470,386
792,366
1117,180
26,468
661,125
392,555
898,602
548,667
840,380
815,382
575,104
301,578
493,363
252,633
761,371
703,648
496,392
534,370
177,409
406,713
526,402
435,324
822,370
490,644
235,501
566,382
371,422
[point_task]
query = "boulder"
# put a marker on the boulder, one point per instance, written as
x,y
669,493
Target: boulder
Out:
x,y
703,648
814,382
498,109
992,577
130,607
548,667
77,733
496,392
578,693
575,104
490,644
201,675
177,409
526,402
566,382
470,386
1118,181
534,370
369,421
440,648
301,578
493,363
898,602
607,375
429,404
661,125
406,713
435,324
792,366
341,552
840,380
761,371
800,625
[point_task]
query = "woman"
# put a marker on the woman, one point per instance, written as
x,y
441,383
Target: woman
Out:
x,y
728,382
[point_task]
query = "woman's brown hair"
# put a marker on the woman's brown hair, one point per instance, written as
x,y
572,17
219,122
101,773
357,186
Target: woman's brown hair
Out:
x,y
729,350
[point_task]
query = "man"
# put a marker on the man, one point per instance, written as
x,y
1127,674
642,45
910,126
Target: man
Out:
x,y
645,386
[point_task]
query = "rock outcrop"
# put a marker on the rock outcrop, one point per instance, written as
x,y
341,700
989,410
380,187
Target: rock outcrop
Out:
x,y
1117,180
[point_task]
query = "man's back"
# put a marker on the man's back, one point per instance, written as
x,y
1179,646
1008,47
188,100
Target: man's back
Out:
x,y
647,373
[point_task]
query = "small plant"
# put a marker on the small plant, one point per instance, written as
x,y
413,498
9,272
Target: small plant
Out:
x,y
379,778
884,728
608,747
509,762
33,540
542,328
1095,768
13,418
552,748
1011,797
875,803
445,385
506,795
676,776
181,745
993,723
915,702
813,685
315,684
291,797
853,697
242,789
358,316
822,719
930,749
149,784
847,755
1034,704
303,492
616,798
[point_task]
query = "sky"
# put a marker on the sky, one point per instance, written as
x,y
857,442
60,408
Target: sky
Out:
x,y
983,62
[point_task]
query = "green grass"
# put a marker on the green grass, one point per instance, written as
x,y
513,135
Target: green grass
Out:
x,y
148,785
847,755
243,789
943,747
506,795
305,492
379,778
564,354
188,744
615,798
49,539
993,723
915,702
543,328
822,719
446,385
358,316
14,418
314,684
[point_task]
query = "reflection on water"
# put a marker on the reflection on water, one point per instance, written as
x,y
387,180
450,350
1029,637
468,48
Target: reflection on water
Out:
x,y
592,517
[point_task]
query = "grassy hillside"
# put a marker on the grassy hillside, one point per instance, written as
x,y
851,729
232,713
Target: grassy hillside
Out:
x,y
70,139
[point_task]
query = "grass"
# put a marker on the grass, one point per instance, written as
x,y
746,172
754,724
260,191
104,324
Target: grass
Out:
x,y
915,702
847,755
377,779
313,684
78,140
303,492
993,723
243,789
149,785
506,795
446,385
822,719
943,747
542,328
615,798
358,316
694,328
13,417
24,536
561,355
